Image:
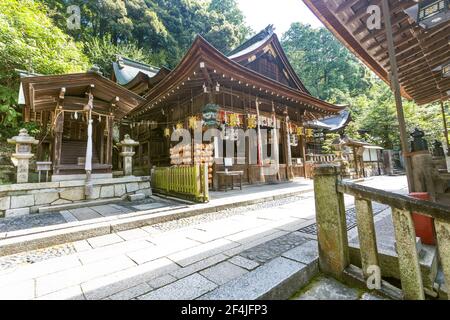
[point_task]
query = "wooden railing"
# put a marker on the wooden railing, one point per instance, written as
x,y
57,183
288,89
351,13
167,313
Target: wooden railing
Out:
x,y
188,182
321,158
332,233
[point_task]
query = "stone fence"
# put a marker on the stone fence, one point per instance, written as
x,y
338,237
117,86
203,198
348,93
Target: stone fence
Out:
x,y
333,239
26,198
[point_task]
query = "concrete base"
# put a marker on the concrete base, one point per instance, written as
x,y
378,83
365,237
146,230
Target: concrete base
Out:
x,y
71,177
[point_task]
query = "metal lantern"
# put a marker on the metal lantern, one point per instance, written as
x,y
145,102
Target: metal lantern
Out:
x,y
446,71
433,12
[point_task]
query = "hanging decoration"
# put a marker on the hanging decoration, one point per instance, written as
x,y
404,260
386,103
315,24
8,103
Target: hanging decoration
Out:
x,y
300,131
293,140
267,122
179,126
167,132
309,133
251,121
433,12
234,120
209,115
446,71
193,122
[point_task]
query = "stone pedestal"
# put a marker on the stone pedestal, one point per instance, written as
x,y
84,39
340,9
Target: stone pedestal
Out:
x,y
21,158
421,162
127,145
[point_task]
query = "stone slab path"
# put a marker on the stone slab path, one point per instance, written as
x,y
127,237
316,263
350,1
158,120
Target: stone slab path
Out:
x,y
240,253
84,213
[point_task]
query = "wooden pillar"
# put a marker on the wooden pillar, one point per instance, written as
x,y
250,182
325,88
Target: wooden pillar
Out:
x,y
355,159
247,150
302,146
101,137
288,155
57,142
275,142
444,119
396,88
26,113
109,140
259,146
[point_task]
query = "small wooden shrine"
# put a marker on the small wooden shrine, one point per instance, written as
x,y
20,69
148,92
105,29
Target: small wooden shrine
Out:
x,y
66,107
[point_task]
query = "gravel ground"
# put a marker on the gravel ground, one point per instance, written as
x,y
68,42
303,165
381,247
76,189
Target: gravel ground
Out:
x,y
30,257
30,221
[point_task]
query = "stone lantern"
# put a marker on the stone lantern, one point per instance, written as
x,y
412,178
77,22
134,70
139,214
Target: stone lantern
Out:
x,y
21,158
127,153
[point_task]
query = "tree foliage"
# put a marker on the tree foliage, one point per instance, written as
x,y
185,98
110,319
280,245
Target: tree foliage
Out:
x,y
332,73
30,41
327,69
163,29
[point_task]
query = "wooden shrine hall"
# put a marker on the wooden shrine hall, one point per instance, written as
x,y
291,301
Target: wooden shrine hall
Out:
x,y
253,87
63,106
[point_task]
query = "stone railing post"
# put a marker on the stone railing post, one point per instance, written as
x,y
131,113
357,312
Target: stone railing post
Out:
x,y
331,223
127,145
21,159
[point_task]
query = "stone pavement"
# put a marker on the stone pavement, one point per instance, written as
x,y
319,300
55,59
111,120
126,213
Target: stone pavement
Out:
x,y
85,213
241,253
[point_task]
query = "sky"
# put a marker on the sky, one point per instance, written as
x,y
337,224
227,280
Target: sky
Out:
x,y
280,13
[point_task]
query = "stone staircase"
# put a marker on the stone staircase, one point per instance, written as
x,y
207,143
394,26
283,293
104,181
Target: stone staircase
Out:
x,y
71,150
387,253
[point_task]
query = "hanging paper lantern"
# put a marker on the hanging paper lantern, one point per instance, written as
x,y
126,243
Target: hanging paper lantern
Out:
x,y
433,12
233,120
309,133
193,122
300,131
251,121
179,126
167,132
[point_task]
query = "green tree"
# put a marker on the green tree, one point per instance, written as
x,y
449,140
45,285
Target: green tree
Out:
x,y
29,40
163,29
327,68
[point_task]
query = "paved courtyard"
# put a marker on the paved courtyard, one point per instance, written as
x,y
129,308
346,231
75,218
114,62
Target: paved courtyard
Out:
x,y
210,256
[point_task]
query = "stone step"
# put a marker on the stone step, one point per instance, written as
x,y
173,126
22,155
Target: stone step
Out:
x,y
326,288
387,252
277,279
67,206
136,197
